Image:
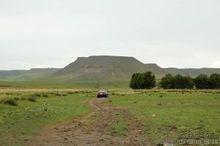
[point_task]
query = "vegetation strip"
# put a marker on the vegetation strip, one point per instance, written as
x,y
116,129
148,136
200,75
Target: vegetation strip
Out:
x,y
18,123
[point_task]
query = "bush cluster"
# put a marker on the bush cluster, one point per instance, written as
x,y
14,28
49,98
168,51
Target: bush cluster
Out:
x,y
147,81
204,82
186,82
176,82
142,81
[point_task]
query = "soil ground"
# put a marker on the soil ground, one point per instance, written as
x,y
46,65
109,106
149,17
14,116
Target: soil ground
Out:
x,y
92,129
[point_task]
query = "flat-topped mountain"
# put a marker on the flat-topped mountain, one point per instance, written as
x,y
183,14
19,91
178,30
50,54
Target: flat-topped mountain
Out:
x,y
106,68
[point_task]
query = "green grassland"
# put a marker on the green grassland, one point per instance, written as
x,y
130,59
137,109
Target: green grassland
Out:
x,y
64,85
169,116
35,110
166,115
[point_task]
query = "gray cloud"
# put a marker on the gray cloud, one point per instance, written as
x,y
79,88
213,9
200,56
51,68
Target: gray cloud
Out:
x,y
52,33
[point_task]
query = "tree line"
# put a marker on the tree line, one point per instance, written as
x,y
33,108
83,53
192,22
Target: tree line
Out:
x,y
147,80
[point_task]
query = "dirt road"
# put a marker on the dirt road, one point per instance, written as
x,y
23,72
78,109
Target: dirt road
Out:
x,y
91,129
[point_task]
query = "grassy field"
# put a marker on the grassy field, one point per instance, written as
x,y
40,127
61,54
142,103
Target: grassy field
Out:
x,y
165,115
35,110
63,85
169,116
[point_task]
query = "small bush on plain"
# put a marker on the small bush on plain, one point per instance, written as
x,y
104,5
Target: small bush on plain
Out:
x,y
32,98
11,102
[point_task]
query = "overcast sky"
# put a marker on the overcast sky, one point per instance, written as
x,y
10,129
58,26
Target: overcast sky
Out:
x,y
53,33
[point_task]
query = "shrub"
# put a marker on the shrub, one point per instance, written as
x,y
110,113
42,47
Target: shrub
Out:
x,y
16,98
58,94
38,95
70,92
22,98
32,98
11,102
45,95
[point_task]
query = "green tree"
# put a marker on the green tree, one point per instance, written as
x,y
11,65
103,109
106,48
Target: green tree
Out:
x,y
132,82
202,82
214,80
167,82
142,81
190,83
176,82
148,80
182,82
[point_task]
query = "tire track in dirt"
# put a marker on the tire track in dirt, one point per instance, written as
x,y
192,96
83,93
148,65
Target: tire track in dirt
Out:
x,y
91,129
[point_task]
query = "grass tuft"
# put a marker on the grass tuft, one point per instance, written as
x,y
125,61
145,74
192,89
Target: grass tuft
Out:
x,y
12,102
32,98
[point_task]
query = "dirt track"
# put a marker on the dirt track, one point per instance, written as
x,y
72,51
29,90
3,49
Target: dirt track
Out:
x,y
91,129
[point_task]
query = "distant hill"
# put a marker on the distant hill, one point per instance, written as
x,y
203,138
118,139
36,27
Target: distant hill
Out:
x,y
24,75
99,68
193,72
